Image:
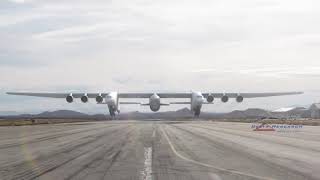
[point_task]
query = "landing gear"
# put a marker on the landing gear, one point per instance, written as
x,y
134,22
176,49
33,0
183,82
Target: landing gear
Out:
x,y
197,112
112,112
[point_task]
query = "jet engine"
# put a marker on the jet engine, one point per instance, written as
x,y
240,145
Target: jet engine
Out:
x,y
99,99
210,98
84,98
224,98
154,102
239,99
69,98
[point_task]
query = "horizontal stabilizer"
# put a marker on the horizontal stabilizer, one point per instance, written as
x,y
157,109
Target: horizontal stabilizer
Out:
x,y
164,104
130,103
148,104
180,102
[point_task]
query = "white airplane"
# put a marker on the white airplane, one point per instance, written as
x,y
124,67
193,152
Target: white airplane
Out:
x,y
195,99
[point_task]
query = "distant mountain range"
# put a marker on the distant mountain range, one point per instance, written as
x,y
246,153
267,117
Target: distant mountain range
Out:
x,y
184,113
9,113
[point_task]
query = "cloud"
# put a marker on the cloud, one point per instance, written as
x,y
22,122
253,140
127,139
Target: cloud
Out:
x,y
272,72
19,1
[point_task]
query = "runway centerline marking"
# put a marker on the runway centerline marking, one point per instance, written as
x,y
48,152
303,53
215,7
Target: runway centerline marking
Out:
x,y
209,165
154,133
146,174
214,176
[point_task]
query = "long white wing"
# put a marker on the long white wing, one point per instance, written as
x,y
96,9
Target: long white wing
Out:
x,y
251,95
216,95
57,95
147,95
93,95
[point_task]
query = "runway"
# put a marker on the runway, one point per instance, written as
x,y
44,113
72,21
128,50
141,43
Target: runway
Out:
x,y
157,150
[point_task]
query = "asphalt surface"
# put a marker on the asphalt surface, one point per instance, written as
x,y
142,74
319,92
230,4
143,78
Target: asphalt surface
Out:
x,y
146,150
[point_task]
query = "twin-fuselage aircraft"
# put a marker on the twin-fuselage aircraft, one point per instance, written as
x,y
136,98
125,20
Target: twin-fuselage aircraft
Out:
x,y
194,99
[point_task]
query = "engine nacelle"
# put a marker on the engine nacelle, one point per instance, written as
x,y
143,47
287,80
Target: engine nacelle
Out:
x,y
210,98
224,98
154,102
239,99
69,98
84,99
99,99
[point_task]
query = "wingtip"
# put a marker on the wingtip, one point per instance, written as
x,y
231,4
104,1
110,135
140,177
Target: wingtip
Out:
x,y
11,93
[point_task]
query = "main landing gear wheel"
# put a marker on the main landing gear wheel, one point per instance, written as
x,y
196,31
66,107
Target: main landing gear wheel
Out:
x,y
197,113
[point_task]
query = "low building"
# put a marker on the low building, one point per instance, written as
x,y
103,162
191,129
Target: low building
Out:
x,y
315,110
289,112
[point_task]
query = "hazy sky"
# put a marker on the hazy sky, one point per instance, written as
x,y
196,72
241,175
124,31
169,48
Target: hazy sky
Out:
x,y
167,45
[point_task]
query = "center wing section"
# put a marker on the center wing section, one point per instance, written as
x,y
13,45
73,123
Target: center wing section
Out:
x,y
148,95
161,95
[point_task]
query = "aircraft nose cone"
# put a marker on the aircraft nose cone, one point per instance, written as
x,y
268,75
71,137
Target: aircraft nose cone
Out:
x,y
154,96
110,101
200,100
